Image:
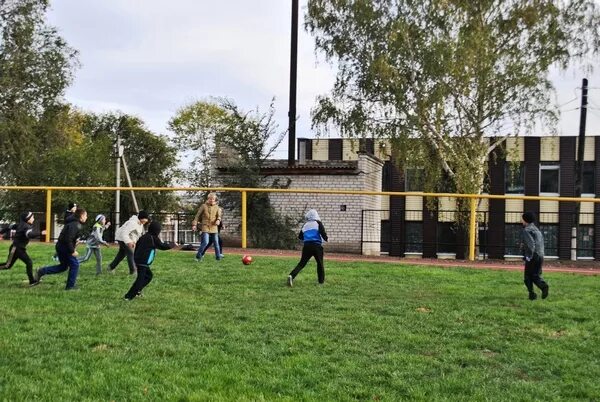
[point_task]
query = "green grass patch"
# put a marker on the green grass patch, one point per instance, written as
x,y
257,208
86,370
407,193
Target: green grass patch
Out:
x,y
225,331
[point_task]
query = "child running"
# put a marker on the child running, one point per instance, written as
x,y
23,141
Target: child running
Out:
x,y
126,236
65,249
18,249
94,241
145,251
312,233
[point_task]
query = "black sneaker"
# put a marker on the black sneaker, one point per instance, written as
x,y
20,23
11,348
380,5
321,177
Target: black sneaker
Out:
x,y
125,298
34,283
139,294
73,288
545,292
532,296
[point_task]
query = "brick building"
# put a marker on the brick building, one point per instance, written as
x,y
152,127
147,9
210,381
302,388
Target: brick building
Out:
x,y
405,226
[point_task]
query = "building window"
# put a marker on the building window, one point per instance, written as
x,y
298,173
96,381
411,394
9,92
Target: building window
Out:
x,y
512,239
587,182
550,232
446,237
414,237
585,241
514,178
414,179
549,178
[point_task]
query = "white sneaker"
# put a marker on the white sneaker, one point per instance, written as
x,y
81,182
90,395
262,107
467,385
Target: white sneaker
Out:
x,y
290,281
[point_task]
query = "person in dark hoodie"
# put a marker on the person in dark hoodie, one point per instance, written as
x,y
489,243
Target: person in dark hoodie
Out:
x,y
68,217
312,233
533,255
145,251
65,249
18,249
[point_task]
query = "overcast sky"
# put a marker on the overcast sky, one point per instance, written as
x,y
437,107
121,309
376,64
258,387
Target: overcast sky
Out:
x,y
151,57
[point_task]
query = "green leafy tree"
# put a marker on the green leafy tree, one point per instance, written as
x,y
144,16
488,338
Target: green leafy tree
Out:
x,y
438,76
36,66
195,126
241,142
247,141
88,159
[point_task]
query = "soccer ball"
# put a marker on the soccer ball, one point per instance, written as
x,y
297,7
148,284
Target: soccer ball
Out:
x,y
247,260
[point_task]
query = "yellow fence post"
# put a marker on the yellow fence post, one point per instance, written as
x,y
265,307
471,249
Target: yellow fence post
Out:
x,y
243,219
472,229
48,214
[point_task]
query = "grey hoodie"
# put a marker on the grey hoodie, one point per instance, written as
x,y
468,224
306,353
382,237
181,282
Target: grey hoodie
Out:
x,y
533,241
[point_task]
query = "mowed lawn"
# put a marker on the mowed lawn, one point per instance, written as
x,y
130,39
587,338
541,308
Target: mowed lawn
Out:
x,y
224,331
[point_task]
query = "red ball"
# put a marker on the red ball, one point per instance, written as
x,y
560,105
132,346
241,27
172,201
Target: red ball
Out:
x,y
247,260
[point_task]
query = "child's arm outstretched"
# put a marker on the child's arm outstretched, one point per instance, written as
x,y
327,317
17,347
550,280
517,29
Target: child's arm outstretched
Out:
x,y
163,245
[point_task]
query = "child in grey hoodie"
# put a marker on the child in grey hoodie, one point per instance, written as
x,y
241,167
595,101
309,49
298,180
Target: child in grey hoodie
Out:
x,y
94,241
533,254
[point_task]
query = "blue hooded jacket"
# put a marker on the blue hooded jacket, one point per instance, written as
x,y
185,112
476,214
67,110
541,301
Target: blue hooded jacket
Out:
x,y
313,230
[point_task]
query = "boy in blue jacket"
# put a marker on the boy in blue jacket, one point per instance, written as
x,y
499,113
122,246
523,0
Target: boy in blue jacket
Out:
x,y
145,251
312,233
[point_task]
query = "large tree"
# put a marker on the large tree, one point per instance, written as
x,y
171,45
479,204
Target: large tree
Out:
x,y
87,158
438,76
36,66
241,142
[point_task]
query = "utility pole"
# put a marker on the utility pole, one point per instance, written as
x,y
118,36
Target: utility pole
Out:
x,y
118,175
579,170
293,79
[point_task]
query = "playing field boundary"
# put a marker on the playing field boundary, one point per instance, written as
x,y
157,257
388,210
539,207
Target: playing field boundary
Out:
x,y
339,257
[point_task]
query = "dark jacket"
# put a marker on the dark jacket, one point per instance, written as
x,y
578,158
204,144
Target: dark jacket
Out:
x,y
24,232
69,217
145,248
69,235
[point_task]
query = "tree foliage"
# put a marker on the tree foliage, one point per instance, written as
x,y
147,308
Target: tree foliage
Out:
x,y
218,131
438,76
36,66
88,159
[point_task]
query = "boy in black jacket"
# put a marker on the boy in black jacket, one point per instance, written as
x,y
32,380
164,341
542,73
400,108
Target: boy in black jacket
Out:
x,y
18,249
68,218
145,251
65,249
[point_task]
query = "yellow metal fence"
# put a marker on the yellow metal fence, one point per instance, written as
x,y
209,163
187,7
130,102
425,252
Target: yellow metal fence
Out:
x,y
474,199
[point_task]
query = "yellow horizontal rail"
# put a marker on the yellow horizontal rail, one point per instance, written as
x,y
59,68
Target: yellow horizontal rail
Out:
x,y
306,191
473,199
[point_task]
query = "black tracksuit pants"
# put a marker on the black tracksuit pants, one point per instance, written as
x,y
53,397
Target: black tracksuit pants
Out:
x,y
144,277
311,250
19,253
533,273
124,251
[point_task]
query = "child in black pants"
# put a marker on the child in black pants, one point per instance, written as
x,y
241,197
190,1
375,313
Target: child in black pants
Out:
x,y
145,251
312,233
18,249
533,254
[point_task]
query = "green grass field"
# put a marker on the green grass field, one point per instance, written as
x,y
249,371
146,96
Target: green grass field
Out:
x,y
223,331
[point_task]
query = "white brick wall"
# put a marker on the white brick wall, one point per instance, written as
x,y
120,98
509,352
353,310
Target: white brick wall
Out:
x,y
343,227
